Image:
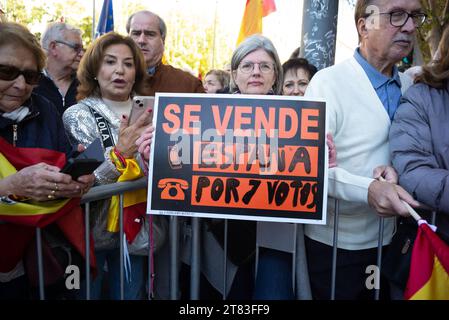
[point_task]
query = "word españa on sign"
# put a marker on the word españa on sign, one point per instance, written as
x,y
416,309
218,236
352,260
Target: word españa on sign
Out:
x,y
255,159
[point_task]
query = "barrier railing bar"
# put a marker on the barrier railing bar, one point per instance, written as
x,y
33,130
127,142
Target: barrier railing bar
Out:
x,y
109,190
122,278
87,248
106,191
379,256
334,249
174,276
225,260
40,264
195,259
150,261
295,246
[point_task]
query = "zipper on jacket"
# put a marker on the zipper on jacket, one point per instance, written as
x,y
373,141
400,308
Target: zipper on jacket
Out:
x,y
14,134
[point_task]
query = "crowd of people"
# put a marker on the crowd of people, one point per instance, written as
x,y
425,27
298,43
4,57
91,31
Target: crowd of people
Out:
x,y
386,142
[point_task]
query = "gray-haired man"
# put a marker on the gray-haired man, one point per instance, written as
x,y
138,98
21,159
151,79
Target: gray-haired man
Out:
x,y
64,48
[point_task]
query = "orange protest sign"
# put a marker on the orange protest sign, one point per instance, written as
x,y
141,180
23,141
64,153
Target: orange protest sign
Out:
x,y
238,156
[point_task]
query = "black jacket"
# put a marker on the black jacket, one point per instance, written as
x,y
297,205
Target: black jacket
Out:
x,y
42,128
49,90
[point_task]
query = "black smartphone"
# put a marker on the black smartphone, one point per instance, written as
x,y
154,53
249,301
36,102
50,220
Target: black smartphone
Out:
x,y
86,162
80,167
139,106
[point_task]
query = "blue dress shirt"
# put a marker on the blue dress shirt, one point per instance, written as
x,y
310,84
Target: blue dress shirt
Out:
x,y
151,70
388,89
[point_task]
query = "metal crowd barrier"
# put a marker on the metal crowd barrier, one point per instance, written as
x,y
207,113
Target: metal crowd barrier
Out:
x,y
106,191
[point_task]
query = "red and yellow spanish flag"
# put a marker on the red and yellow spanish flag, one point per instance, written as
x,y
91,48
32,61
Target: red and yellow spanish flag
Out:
x,y
429,269
134,202
23,217
255,10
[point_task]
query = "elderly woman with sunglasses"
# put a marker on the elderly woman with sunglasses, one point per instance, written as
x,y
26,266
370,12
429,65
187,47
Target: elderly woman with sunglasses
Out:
x,y
29,125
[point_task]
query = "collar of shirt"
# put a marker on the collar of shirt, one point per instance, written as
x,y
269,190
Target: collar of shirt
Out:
x,y
45,72
376,78
151,70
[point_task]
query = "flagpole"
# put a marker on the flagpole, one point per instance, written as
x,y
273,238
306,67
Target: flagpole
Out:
x,y
93,20
215,33
412,212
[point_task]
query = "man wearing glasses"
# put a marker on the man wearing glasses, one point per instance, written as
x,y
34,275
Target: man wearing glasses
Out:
x,y
64,48
362,95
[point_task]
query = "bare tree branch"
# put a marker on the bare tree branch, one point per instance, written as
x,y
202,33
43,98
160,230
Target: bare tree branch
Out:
x,y
433,8
445,16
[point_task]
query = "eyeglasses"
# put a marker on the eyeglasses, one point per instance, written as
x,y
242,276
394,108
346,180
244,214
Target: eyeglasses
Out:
x,y
9,73
399,18
75,46
264,67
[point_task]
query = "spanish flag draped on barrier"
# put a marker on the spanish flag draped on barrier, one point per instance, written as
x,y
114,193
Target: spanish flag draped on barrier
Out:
x,y
24,217
429,269
255,10
134,202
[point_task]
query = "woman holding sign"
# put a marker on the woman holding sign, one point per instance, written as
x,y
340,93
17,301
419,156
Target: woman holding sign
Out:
x,y
256,69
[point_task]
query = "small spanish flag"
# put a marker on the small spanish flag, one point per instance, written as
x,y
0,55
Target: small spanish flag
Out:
x,y
429,269
134,202
255,10
23,217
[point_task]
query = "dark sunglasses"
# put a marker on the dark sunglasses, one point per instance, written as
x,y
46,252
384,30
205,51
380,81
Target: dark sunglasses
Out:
x,y
9,73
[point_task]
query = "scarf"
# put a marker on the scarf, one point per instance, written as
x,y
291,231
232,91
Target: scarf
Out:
x,y
17,115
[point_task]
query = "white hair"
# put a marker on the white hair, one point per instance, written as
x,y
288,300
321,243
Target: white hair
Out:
x,y
56,31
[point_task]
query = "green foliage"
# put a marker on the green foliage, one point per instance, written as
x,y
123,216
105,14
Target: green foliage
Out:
x,y
189,43
191,47
35,14
85,24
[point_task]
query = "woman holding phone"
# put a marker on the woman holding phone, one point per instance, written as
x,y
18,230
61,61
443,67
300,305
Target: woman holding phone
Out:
x,y
111,71
30,125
